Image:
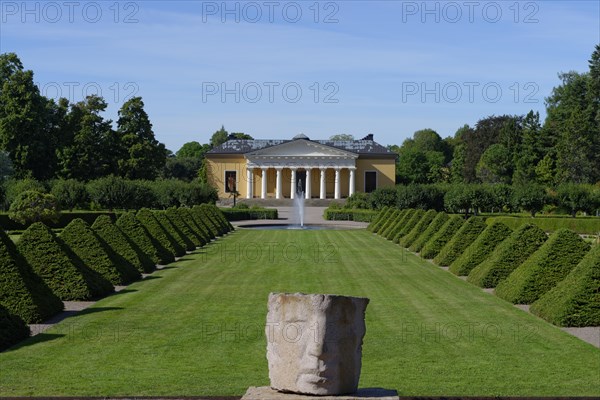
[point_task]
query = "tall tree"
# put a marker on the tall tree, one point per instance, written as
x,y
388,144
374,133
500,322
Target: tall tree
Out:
x,y
342,136
193,150
141,156
219,137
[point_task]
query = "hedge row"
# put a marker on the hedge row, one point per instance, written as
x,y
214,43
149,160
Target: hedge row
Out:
x,y
396,224
581,225
184,228
550,264
391,217
197,224
381,218
12,329
182,239
233,214
480,249
418,229
442,237
511,253
408,225
438,222
68,278
64,219
162,242
575,301
466,235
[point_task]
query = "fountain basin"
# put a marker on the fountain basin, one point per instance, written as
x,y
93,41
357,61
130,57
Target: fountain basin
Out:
x,y
290,227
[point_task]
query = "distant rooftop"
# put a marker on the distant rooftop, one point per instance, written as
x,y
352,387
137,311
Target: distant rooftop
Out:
x,y
364,146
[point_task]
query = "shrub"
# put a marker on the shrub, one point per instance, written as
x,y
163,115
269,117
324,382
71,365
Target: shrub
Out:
x,y
236,214
183,226
435,225
197,225
575,301
378,217
550,264
408,225
443,236
180,237
574,197
480,249
166,251
415,232
201,219
581,225
465,198
420,196
378,227
213,214
64,218
14,187
138,234
511,253
96,254
466,235
70,194
530,198
22,292
12,329
359,200
121,244
112,192
219,216
394,222
346,214
31,206
48,258
383,197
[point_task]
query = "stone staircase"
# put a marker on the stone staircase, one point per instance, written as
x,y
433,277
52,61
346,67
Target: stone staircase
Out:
x,y
279,203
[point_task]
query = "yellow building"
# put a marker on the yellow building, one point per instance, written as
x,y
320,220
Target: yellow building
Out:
x,y
279,169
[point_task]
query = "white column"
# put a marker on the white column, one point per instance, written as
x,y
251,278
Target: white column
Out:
x,y
308,179
336,194
293,184
263,188
278,184
322,193
352,183
250,181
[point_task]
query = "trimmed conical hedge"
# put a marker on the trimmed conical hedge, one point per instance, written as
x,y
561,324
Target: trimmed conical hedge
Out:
x,y
480,249
122,245
12,329
138,234
550,264
377,218
443,236
68,280
184,227
179,236
575,301
198,217
438,222
511,253
385,216
418,229
194,221
466,235
408,225
96,254
217,217
166,252
22,292
208,221
395,223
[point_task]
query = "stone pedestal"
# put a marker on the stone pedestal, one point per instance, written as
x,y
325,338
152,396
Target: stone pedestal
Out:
x,y
266,393
314,342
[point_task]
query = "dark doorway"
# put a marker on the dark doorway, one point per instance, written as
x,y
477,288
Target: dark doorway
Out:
x,y
370,181
301,181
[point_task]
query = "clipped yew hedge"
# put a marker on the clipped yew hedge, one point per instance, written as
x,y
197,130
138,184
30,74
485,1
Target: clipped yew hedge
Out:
x,y
97,255
442,237
22,292
480,249
349,214
198,215
195,222
575,301
114,237
179,236
166,252
511,253
418,229
466,235
550,264
68,280
438,222
138,234
217,216
375,221
12,329
408,225
208,220
397,223
391,219
183,225
385,216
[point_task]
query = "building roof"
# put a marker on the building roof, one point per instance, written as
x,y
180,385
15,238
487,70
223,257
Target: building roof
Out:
x,y
365,146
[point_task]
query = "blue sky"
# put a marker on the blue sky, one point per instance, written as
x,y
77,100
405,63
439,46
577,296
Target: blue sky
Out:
x,y
273,69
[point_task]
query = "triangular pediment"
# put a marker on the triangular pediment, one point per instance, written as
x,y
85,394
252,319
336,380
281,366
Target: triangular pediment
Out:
x,y
301,148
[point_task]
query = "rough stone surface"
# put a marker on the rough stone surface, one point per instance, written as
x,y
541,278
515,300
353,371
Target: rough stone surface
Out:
x,y
314,342
266,393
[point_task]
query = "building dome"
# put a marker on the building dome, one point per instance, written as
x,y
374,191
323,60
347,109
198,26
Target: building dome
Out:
x,y
300,136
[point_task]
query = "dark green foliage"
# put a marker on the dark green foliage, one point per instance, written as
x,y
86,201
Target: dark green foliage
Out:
x,y
121,244
173,237
97,255
48,258
219,217
32,206
397,223
389,220
207,220
63,220
511,253
575,301
198,215
70,193
138,234
408,225
375,221
480,249
550,264
408,239
185,227
435,225
180,237
22,292
443,236
466,235
236,214
164,246
12,329
194,222
384,218
347,214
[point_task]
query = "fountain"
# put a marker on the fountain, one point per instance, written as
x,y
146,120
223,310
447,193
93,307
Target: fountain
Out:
x,y
299,205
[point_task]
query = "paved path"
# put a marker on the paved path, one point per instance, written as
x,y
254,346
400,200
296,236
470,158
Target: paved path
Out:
x,y
312,216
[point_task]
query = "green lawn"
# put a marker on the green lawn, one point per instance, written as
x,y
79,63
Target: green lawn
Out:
x,y
197,327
